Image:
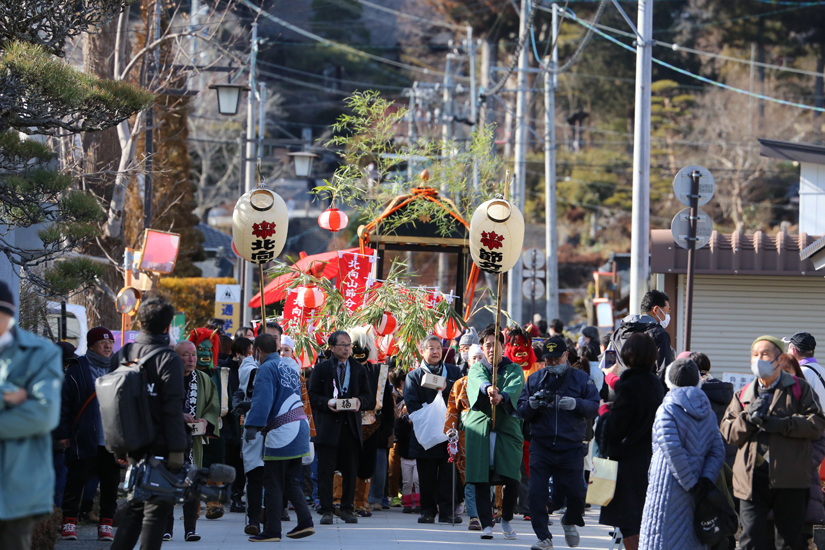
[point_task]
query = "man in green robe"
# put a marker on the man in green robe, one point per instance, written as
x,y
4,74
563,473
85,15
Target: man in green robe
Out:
x,y
201,406
494,452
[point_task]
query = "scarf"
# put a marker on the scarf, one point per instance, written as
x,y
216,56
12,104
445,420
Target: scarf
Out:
x,y
432,369
100,365
190,404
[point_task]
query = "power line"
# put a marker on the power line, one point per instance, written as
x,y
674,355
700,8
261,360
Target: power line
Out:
x,y
338,45
341,80
705,79
409,16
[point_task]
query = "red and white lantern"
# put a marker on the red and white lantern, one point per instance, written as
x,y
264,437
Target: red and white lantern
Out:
x,y
448,330
259,226
496,236
387,325
333,219
388,345
310,297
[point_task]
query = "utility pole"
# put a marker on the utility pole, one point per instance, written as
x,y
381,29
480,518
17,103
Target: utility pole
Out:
x,y
447,113
251,176
514,276
551,238
640,227
148,136
471,50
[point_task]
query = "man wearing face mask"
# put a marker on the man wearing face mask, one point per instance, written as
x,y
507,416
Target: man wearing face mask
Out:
x,y
772,421
654,319
555,402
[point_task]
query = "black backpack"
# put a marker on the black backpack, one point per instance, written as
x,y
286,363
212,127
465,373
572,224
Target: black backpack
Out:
x,y
123,396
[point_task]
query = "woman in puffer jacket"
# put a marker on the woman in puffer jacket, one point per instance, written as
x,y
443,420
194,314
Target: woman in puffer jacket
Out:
x,y
688,453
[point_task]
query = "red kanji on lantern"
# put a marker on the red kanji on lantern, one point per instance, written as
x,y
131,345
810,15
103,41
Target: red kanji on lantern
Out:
x,y
263,230
310,296
491,239
333,219
387,325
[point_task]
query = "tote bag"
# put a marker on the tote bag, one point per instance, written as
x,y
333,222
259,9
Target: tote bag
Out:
x,y
602,484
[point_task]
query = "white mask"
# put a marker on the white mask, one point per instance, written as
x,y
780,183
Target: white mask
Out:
x,y
664,322
464,355
762,369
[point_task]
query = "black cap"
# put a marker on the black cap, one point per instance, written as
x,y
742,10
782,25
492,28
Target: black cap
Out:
x,y
553,347
803,341
7,304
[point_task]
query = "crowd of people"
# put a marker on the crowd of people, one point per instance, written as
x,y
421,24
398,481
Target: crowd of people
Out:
x,y
479,428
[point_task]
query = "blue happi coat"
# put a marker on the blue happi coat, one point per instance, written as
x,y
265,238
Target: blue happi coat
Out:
x,y
687,445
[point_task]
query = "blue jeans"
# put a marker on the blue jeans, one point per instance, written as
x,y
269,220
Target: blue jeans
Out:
x,y
59,478
470,500
379,478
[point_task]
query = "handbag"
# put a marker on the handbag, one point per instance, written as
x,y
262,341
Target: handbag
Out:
x,y
602,485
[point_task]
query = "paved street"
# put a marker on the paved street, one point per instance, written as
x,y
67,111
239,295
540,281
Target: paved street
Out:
x,y
387,528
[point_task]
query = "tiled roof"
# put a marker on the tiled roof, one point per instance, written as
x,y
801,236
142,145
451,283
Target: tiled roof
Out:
x,y
214,239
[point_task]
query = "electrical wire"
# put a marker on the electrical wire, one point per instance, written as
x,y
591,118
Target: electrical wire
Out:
x,y
582,45
341,80
340,46
516,54
705,79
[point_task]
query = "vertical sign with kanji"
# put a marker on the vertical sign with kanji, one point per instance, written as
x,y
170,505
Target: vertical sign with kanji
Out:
x,y
354,277
228,306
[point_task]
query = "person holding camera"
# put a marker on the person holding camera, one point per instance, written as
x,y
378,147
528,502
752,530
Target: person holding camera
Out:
x,y
277,412
201,411
555,403
146,520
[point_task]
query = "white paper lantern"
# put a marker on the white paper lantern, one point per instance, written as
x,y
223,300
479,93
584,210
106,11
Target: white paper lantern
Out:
x,y
496,236
259,225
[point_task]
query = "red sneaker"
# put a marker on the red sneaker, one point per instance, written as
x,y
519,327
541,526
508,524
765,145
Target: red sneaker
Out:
x,y
69,530
105,531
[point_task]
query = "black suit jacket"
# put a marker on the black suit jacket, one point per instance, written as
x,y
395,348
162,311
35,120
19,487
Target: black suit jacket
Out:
x,y
328,423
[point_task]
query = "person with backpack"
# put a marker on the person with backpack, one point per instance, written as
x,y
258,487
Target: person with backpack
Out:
x,y
801,346
163,369
81,434
772,421
654,319
30,382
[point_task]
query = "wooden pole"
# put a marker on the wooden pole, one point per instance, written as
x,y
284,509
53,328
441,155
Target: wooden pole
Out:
x,y
496,345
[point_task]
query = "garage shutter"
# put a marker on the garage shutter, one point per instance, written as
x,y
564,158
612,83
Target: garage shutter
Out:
x,y
730,311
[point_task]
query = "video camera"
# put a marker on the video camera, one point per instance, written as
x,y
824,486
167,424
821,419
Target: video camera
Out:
x,y
150,480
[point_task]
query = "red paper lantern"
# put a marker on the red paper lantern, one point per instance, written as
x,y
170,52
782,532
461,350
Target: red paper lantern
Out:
x,y
333,219
307,360
387,325
447,331
310,296
388,345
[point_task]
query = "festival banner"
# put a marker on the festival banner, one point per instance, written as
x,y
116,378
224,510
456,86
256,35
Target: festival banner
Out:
x,y
294,313
354,277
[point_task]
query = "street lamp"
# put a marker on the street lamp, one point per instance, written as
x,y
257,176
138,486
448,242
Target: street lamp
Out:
x,y
303,163
229,97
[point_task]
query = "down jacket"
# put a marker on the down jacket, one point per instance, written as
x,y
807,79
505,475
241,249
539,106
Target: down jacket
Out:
x,y
686,446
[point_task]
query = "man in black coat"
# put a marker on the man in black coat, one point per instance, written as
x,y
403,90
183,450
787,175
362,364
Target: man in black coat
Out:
x,y
654,319
434,471
164,378
338,433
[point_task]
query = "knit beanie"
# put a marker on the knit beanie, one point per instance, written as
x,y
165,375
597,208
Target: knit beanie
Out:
x,y
773,340
469,337
682,373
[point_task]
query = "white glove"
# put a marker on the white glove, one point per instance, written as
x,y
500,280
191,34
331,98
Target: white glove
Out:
x,y
567,403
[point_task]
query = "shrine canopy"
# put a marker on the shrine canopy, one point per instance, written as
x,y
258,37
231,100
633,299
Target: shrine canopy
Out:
x,y
423,235
318,265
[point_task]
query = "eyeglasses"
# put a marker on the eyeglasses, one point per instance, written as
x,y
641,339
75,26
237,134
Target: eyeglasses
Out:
x,y
343,345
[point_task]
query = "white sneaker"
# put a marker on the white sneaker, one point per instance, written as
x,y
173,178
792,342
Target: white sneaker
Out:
x,y
545,544
459,509
507,530
487,533
571,535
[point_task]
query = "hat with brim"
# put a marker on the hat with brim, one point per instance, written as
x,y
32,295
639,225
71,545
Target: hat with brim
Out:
x,y
553,347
